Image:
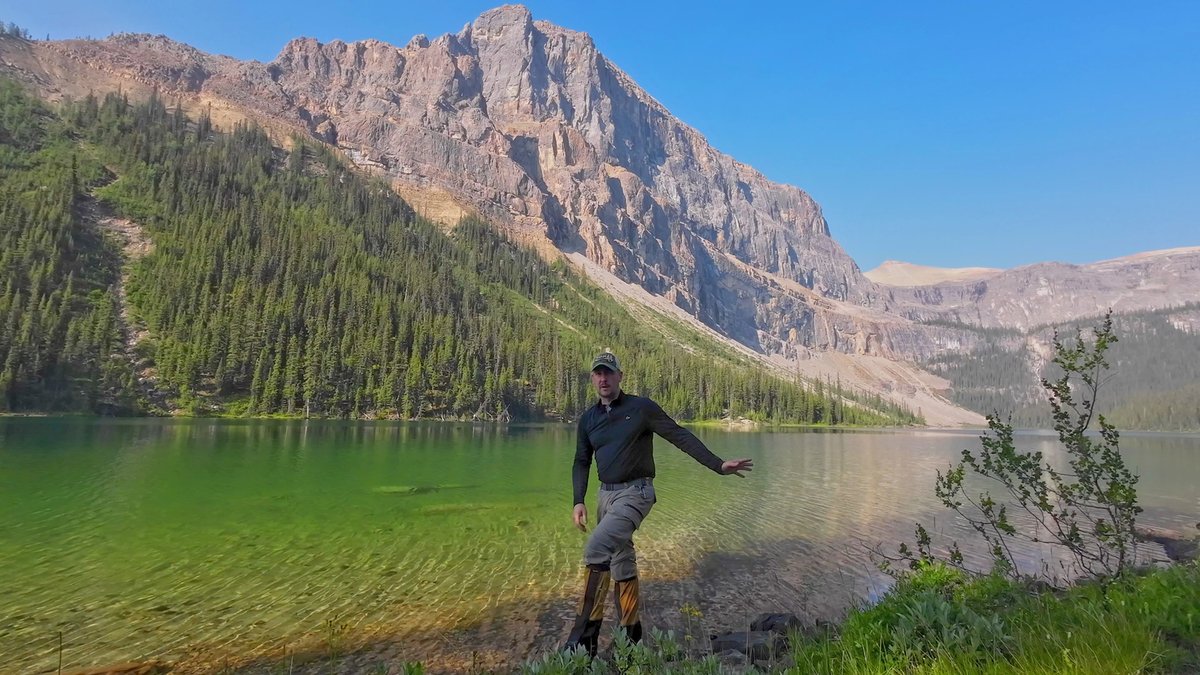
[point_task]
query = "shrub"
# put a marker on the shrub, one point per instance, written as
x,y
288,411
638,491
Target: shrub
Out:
x,y
1089,508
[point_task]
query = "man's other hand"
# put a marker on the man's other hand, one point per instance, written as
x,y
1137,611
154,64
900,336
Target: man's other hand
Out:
x,y
736,467
580,517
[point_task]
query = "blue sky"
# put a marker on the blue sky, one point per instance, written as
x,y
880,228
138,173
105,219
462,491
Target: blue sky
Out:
x,y
940,133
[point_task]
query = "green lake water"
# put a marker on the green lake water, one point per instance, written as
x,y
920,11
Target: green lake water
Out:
x,y
197,540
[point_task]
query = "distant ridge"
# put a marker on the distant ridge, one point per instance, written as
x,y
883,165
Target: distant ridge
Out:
x,y
897,273
900,273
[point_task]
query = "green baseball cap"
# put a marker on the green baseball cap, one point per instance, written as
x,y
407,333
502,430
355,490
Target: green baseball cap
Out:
x,y
606,360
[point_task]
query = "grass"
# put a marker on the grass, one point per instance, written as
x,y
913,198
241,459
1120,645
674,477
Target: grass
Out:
x,y
939,621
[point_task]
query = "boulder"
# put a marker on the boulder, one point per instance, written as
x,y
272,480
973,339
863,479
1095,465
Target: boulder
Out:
x,y
776,623
1179,546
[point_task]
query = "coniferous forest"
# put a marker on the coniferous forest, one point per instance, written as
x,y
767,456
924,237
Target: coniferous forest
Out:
x,y
1152,382
283,282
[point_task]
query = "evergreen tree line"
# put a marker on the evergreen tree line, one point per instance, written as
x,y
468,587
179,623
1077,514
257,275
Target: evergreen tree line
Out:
x,y
58,327
1153,382
284,282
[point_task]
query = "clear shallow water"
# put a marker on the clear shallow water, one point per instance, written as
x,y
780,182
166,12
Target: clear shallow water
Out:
x,y
199,540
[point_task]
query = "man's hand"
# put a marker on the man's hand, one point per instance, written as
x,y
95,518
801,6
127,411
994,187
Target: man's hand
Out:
x,y
580,517
736,467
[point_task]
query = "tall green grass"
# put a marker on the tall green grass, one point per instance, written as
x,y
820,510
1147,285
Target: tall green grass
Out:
x,y
940,621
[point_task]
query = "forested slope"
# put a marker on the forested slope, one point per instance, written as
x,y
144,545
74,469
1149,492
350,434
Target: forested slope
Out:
x,y
1152,382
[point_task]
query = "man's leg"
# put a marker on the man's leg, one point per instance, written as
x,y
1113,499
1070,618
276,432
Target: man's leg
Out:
x,y
626,592
618,517
590,614
627,597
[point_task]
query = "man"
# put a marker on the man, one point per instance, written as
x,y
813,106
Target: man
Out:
x,y
617,431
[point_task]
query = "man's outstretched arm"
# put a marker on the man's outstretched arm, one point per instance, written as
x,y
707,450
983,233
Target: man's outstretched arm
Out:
x,y
662,424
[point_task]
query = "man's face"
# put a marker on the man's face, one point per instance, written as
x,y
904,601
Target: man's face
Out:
x,y
607,382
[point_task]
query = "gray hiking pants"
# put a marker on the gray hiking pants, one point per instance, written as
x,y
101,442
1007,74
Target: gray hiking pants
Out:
x,y
619,514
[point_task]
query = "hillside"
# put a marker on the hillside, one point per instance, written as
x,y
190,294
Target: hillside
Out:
x,y
1152,382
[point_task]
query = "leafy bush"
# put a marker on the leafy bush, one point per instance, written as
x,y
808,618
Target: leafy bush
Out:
x,y
931,624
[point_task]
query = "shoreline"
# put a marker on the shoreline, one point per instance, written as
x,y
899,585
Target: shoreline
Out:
x,y
506,643
743,422
740,425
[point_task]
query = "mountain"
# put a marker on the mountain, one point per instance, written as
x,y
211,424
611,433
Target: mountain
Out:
x,y
151,264
1014,315
1032,295
528,126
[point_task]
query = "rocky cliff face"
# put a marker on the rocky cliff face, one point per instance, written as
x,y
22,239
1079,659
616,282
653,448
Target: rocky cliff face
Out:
x,y
531,125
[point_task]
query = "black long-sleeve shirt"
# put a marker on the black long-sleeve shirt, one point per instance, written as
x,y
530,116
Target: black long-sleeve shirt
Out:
x,y
620,438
